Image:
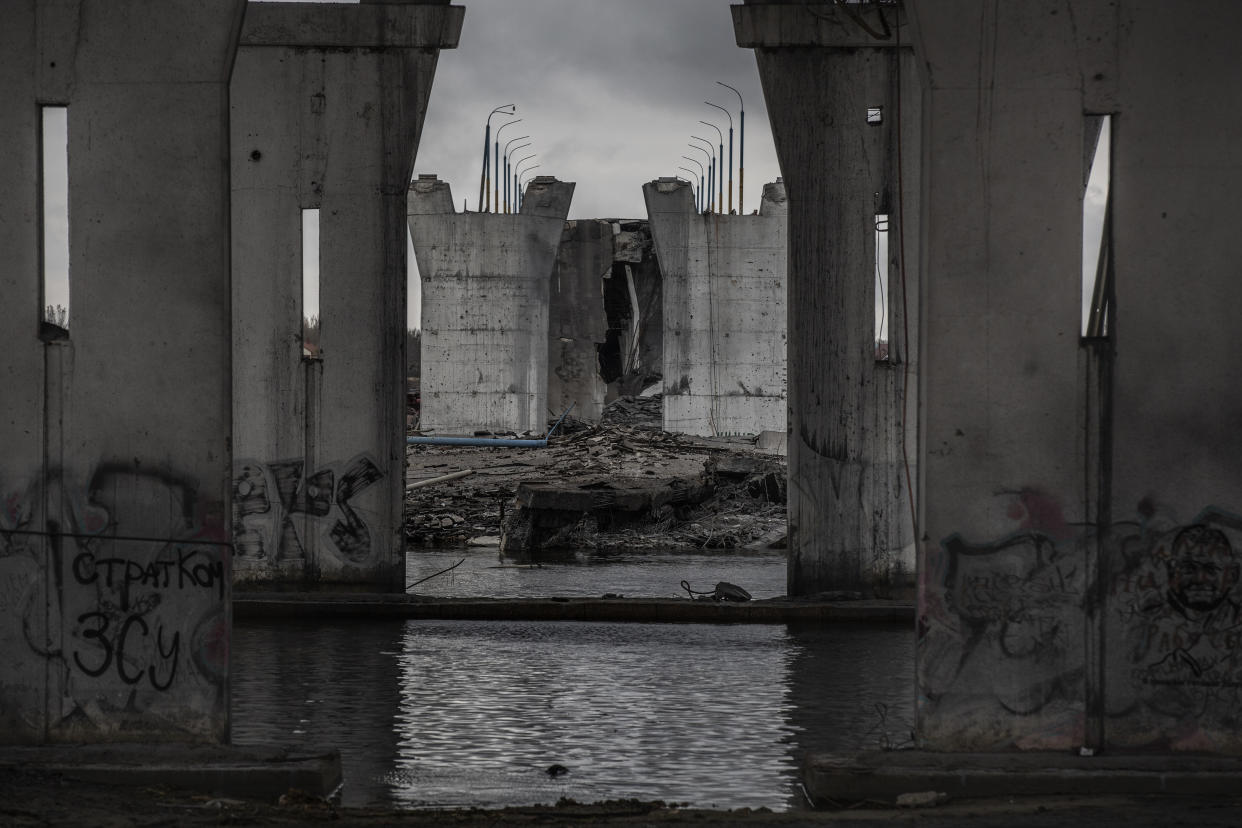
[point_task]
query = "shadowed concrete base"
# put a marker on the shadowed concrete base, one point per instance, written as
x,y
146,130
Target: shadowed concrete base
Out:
x,y
883,776
227,771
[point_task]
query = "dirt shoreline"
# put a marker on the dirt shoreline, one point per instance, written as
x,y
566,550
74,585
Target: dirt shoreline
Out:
x,y
31,797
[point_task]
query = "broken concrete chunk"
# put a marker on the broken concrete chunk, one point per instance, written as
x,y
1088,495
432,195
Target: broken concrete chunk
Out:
x,y
921,799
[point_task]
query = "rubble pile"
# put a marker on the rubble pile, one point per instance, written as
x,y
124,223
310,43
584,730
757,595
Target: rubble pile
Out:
x,y
623,483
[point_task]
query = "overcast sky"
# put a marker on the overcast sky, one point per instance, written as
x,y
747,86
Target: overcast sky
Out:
x,y
610,93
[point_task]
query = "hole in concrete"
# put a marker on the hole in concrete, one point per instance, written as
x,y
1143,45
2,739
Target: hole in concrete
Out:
x,y
255,155
875,114
310,284
881,287
54,198
1096,217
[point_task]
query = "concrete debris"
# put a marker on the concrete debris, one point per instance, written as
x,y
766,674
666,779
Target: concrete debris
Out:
x,y
621,484
921,799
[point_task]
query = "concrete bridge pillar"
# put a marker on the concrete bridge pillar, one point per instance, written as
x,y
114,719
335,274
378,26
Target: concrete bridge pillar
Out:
x,y
1080,563
844,103
724,312
328,103
115,468
485,306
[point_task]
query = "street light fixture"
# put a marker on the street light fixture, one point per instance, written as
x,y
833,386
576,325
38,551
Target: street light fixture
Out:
x,y
702,177
741,153
711,169
525,172
496,145
487,143
730,117
507,155
517,194
719,177
696,190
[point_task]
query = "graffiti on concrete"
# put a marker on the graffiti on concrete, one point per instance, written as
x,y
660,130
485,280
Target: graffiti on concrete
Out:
x,y
1006,620
1010,600
277,505
1174,600
115,594
1001,631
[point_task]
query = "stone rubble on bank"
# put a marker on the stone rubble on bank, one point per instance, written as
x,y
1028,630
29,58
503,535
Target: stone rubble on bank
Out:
x,y
642,487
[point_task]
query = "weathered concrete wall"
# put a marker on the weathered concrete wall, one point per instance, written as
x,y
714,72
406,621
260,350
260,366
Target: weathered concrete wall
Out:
x,y
114,476
852,416
576,319
485,307
1079,564
724,312
327,108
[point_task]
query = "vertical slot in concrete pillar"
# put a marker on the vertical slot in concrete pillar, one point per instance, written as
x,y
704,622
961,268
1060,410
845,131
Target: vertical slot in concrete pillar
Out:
x,y
883,286
54,200
724,312
328,104
1095,215
485,307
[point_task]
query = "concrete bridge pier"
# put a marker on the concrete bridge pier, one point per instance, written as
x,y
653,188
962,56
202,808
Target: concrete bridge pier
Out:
x,y
328,103
1083,507
724,312
844,102
485,279
115,459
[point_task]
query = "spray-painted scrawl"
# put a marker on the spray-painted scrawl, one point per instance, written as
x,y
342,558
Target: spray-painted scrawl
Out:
x,y
279,509
114,607
1175,620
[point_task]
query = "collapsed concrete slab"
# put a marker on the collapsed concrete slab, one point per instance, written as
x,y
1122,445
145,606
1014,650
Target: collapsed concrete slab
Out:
x,y
328,103
114,477
846,142
485,281
724,312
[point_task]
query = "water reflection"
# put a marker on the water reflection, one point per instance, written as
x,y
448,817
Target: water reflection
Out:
x,y
321,685
655,711
639,573
473,713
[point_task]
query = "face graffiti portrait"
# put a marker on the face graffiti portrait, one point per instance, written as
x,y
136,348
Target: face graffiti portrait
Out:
x,y
1202,570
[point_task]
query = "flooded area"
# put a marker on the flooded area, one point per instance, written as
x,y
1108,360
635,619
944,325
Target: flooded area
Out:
x,y
642,573
460,713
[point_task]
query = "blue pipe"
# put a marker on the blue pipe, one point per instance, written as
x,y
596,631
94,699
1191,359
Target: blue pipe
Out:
x,y
488,441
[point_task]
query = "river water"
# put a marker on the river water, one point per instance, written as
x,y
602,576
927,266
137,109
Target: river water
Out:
x,y
460,713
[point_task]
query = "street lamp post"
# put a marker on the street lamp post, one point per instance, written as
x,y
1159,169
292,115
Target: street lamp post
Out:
x,y
496,155
487,144
697,190
741,152
702,178
719,177
517,194
525,172
730,117
507,155
711,169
